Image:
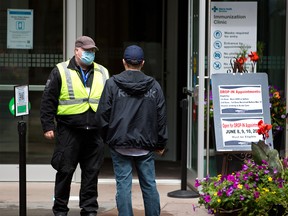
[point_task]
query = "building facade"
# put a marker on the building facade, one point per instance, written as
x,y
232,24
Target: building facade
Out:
x,y
174,36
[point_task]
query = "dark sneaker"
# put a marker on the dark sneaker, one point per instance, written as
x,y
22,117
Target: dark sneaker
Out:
x,y
89,214
61,214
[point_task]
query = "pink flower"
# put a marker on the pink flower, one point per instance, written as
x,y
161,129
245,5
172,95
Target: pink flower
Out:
x,y
207,198
197,183
285,162
229,192
231,178
256,194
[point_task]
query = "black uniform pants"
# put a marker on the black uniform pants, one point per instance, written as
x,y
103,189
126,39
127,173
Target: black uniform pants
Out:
x,y
75,146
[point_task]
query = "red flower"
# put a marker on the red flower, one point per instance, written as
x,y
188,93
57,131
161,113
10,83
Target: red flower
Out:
x,y
241,60
264,129
253,56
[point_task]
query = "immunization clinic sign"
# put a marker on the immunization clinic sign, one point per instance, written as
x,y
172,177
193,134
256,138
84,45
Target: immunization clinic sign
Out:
x,y
233,25
19,29
240,101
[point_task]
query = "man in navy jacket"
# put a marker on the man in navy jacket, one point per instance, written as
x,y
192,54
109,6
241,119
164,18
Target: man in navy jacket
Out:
x,y
132,114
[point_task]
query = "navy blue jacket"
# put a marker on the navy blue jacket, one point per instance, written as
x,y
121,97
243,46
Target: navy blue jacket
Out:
x,y
132,112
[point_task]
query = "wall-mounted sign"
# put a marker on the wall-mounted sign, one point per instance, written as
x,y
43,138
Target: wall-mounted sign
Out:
x,y
233,25
240,101
19,29
21,100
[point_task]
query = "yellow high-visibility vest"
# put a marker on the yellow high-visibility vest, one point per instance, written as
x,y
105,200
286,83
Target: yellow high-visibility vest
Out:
x,y
74,98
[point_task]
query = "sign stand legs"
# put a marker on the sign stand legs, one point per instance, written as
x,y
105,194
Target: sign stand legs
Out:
x,y
224,164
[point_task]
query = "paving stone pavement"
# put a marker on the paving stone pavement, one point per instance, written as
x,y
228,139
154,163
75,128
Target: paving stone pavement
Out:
x,y
40,198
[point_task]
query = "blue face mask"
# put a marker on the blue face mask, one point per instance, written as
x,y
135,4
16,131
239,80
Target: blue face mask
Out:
x,y
87,57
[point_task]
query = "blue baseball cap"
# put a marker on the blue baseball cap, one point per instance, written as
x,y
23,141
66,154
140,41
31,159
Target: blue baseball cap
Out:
x,y
133,55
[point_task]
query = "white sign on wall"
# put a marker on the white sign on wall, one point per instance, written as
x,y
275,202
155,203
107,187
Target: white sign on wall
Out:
x,y
19,29
233,25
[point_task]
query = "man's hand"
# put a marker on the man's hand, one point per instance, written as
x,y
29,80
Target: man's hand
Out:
x,y
160,152
49,135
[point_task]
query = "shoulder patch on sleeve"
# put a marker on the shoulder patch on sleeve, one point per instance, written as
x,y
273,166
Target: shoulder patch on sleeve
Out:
x,y
48,83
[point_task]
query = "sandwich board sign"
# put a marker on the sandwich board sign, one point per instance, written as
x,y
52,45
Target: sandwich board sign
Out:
x,y
240,101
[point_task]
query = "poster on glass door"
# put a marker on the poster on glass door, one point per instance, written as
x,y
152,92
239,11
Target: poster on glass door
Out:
x,y
233,28
19,29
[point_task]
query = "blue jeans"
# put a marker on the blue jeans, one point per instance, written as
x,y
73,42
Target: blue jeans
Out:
x,y
145,167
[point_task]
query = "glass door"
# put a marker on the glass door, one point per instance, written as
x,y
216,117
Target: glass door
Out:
x,y
31,44
272,32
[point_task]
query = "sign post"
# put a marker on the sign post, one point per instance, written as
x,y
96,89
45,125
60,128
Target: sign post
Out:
x,y
21,108
183,192
22,167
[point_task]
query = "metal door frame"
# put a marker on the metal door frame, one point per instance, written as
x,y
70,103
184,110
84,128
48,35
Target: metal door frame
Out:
x,y
199,173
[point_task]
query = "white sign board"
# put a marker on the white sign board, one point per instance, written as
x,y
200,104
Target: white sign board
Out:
x,y
240,101
239,132
21,100
19,29
237,99
233,25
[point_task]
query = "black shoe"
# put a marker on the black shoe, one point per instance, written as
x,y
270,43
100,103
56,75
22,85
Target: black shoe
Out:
x,y
61,214
91,214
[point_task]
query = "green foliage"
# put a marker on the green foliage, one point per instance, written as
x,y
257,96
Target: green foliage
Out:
x,y
260,49
277,109
260,152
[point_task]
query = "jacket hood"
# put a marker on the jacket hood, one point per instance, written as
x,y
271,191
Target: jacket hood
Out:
x,y
133,82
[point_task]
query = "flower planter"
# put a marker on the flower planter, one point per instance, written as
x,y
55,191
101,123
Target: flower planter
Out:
x,y
277,210
258,188
228,212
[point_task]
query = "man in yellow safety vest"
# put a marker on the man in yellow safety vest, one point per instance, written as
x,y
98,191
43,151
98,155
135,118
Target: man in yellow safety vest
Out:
x,y
71,97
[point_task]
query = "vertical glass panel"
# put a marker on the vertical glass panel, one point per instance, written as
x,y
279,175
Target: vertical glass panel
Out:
x,y
32,67
195,56
115,24
271,25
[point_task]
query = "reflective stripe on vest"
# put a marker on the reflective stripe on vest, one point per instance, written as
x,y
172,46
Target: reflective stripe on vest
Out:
x,y
76,100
